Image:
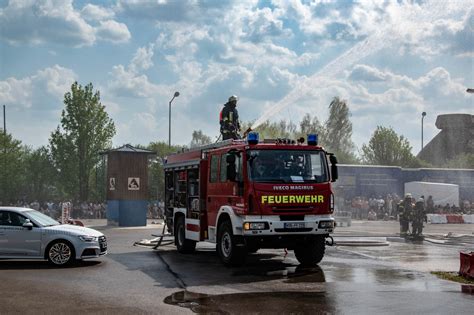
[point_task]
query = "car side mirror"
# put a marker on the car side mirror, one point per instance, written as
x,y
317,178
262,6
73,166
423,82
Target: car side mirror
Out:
x,y
28,225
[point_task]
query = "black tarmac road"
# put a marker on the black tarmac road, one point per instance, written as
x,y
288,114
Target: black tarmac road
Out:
x,y
391,279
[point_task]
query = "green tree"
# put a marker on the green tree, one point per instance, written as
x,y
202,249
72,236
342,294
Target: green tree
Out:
x,y
199,138
85,130
274,130
311,125
386,147
337,132
40,175
12,155
156,172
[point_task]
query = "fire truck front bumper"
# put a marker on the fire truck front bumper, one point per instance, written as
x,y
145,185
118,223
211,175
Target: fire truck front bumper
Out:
x,y
271,225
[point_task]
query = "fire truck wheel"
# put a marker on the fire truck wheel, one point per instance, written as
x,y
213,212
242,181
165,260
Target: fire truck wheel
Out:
x,y
231,249
183,245
311,252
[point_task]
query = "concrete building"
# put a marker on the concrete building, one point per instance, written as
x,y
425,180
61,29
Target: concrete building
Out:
x,y
456,137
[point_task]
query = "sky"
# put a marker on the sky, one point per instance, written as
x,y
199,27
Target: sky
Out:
x,y
390,60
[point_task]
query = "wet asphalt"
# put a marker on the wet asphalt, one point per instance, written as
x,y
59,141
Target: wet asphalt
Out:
x,y
136,280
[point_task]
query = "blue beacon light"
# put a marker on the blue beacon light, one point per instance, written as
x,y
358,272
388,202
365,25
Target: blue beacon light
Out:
x,y
252,138
313,139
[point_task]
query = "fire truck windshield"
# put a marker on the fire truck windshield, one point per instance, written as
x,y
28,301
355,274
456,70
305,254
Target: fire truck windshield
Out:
x,y
287,166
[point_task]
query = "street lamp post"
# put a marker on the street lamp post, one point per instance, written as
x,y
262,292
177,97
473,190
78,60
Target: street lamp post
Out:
x,y
176,94
422,117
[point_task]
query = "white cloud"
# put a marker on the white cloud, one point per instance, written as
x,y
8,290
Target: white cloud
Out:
x,y
366,73
262,24
113,31
57,21
380,97
46,86
94,12
130,84
142,60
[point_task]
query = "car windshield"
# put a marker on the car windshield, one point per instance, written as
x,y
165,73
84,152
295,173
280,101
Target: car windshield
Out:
x,y
41,219
287,166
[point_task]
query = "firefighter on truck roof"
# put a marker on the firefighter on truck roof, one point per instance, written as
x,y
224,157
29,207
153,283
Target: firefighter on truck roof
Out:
x,y
229,120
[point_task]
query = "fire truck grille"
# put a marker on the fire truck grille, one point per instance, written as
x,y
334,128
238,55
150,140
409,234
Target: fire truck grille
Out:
x,y
292,209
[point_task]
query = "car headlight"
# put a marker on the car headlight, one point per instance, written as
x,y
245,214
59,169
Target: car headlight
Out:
x,y
87,238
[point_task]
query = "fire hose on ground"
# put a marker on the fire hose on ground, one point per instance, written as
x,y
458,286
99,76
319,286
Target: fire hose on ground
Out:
x,y
157,241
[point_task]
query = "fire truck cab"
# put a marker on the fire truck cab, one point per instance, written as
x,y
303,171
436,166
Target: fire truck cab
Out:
x,y
245,195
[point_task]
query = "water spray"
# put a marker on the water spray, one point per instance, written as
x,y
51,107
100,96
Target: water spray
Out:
x,y
372,44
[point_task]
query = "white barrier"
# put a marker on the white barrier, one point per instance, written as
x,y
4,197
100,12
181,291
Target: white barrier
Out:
x,y
450,218
437,218
468,218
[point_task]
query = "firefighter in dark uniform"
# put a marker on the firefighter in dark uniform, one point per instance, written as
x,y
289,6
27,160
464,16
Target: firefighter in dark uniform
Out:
x,y
229,120
419,215
405,209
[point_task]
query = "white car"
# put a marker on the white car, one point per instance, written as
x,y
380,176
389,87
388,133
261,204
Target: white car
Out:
x,y
29,234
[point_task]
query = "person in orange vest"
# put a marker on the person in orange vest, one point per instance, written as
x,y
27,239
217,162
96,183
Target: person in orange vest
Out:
x,y
229,120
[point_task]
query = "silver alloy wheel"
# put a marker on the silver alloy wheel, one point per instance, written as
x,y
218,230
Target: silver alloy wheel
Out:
x,y
226,244
60,253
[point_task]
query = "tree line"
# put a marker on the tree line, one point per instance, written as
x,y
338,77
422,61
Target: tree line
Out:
x,y
71,168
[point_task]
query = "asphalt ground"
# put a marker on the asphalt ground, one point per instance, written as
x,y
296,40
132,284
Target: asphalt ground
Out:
x,y
350,280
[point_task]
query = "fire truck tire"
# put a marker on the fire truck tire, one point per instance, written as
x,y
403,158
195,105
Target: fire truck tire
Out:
x,y
311,252
230,248
183,245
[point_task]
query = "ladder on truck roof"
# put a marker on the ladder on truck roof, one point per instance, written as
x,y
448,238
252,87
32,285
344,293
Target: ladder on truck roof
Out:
x,y
193,161
216,145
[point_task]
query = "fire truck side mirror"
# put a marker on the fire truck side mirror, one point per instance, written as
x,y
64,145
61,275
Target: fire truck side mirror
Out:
x,y
334,173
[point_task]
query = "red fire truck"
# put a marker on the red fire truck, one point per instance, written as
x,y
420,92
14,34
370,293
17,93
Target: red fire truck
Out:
x,y
245,195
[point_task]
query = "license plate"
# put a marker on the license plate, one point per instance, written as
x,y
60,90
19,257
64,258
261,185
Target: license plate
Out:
x,y
294,225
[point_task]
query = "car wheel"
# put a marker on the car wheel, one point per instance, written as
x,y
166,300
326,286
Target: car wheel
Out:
x,y
60,253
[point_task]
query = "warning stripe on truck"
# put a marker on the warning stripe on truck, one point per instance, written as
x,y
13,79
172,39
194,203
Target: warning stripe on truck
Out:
x,y
192,227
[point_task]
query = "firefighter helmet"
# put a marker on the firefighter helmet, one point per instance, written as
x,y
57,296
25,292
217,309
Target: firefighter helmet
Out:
x,y
233,98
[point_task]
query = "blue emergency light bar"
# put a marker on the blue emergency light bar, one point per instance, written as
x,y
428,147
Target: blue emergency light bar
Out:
x,y
252,138
313,139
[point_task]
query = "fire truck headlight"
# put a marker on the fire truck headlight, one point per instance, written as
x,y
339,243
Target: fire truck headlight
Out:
x,y
255,226
326,224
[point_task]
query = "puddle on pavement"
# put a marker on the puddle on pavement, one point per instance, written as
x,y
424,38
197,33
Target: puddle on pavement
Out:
x,y
260,302
299,274
293,273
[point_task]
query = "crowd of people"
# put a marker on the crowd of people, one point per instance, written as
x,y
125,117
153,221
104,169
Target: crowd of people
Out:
x,y
84,210
386,208
155,210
